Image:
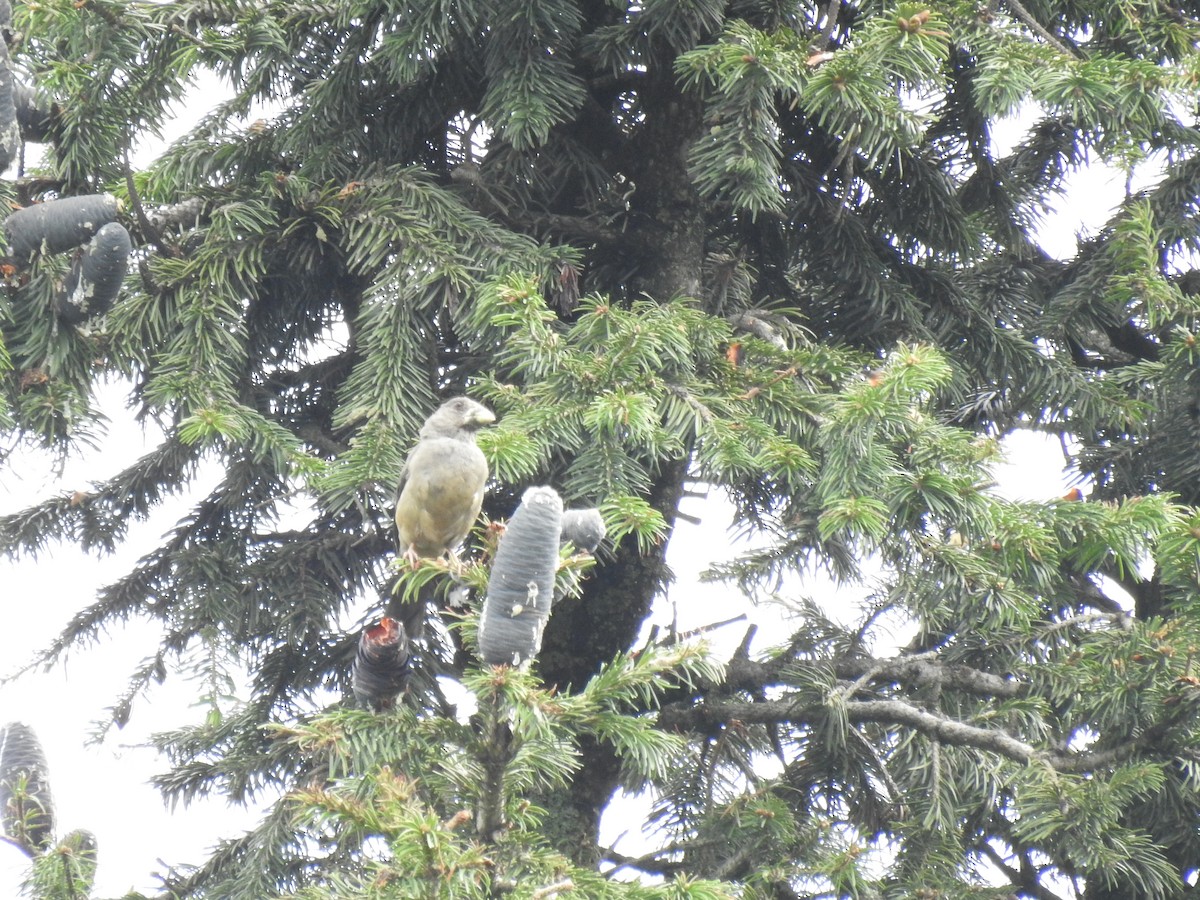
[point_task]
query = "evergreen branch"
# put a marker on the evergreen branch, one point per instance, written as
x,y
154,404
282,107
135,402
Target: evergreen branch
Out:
x,y
321,440
709,714
937,728
735,864
139,211
941,729
1121,620
919,672
1037,27
881,768
580,228
1026,880
553,890
255,864
654,862
335,278
1088,593
497,754
927,673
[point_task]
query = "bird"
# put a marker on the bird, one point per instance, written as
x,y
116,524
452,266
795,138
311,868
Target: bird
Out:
x,y
441,486
438,498
583,529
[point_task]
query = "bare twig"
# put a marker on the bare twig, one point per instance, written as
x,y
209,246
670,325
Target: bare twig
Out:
x,y
1038,28
678,638
553,890
152,234
1030,886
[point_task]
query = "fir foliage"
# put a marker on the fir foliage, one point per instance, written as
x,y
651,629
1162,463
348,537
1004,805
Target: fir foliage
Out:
x,y
773,249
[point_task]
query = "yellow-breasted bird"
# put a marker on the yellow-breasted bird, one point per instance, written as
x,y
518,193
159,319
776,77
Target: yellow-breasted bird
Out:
x,y
441,487
439,496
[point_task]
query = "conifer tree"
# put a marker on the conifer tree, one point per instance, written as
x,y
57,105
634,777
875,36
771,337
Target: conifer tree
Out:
x,y
771,248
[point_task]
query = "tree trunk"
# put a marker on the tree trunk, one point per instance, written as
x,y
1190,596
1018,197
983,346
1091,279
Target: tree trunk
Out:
x,y
585,632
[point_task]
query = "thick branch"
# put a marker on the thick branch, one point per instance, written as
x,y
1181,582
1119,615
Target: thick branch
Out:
x,y
746,674
932,673
1038,28
579,228
708,715
1025,879
940,729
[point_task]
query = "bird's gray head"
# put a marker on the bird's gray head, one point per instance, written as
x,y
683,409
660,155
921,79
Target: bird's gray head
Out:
x,y
458,417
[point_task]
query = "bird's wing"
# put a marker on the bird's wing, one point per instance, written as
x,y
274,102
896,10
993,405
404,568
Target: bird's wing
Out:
x,y
442,495
403,479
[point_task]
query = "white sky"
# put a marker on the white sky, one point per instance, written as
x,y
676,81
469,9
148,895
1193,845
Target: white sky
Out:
x,y
98,787
104,787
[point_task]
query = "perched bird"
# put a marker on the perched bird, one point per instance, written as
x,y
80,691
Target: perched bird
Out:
x,y
584,528
441,491
441,487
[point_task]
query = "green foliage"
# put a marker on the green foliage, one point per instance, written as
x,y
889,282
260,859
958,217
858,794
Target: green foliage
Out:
x,y
67,871
624,389
397,804
781,252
